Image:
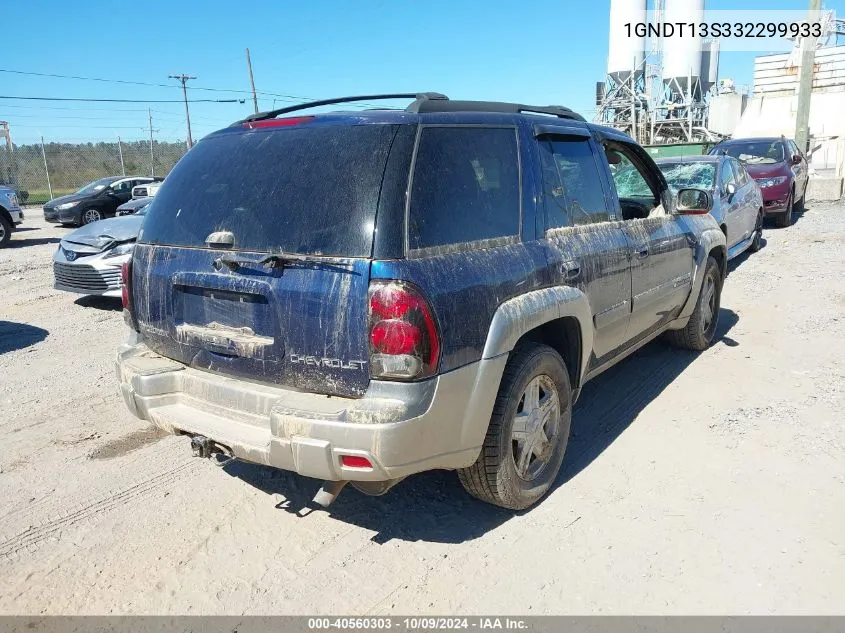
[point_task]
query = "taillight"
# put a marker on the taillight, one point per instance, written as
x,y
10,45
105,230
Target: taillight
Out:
x,y
126,293
404,342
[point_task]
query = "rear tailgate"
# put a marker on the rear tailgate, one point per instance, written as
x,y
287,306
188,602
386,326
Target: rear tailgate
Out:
x,y
296,326
309,189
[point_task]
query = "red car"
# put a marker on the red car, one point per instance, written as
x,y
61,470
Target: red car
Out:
x,y
778,167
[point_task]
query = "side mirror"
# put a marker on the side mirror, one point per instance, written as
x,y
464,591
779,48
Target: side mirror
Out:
x,y
693,202
730,189
796,160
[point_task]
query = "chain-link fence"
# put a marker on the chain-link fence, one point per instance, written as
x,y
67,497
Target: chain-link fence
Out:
x,y
44,171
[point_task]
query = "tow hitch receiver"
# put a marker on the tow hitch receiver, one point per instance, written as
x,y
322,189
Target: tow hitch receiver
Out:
x,y
201,446
205,447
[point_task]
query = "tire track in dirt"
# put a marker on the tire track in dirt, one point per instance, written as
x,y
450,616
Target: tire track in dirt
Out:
x,y
34,536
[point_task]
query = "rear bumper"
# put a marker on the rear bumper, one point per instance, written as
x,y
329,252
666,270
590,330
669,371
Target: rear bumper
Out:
x,y
401,428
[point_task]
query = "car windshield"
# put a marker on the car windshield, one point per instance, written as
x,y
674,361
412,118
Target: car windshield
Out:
x,y
97,185
755,152
681,175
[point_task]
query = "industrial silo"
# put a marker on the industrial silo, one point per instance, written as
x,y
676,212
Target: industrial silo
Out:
x,y
709,64
682,55
625,53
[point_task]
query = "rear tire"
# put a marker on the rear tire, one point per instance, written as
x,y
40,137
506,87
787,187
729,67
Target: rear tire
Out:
x,y
6,229
785,218
757,241
528,431
700,331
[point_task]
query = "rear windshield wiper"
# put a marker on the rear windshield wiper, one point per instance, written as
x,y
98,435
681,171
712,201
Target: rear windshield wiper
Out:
x,y
280,260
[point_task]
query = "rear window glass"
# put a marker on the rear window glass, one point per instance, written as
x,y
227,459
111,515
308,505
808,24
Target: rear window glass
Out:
x,y
465,186
310,190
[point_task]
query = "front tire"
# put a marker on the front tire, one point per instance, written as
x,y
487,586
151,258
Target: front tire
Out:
x,y
528,431
785,218
799,206
90,215
700,331
757,242
6,229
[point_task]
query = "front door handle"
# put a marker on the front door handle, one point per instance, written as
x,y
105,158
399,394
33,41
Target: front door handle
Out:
x,y
570,270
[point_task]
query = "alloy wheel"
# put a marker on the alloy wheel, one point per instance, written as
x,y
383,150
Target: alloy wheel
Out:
x,y
536,427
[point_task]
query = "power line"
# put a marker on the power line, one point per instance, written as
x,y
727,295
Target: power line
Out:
x,y
278,96
123,100
149,84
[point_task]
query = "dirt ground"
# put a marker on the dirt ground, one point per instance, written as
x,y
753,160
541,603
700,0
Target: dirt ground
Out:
x,y
706,484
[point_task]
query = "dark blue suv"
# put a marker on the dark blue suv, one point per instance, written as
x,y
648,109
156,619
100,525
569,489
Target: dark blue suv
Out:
x,y
363,295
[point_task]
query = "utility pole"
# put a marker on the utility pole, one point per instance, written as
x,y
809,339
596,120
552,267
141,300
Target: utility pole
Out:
x,y
251,81
184,79
12,175
805,82
46,169
152,156
120,151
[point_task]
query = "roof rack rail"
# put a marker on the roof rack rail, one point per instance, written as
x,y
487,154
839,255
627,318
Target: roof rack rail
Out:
x,y
491,106
417,96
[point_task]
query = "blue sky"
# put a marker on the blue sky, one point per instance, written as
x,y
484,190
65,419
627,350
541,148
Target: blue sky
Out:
x,y
534,51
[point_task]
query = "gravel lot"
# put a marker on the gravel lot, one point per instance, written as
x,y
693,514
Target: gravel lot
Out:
x,y
707,484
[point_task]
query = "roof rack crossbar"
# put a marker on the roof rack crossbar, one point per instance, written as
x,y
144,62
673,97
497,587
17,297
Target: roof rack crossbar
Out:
x,y
417,96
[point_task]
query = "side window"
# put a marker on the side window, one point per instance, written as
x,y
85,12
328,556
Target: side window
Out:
x,y
572,184
123,186
740,175
793,149
726,176
465,186
628,180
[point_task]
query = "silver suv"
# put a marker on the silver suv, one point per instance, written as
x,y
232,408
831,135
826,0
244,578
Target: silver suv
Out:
x,y
11,214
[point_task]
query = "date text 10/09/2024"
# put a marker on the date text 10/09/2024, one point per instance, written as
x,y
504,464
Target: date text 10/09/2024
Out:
x,y
723,29
417,623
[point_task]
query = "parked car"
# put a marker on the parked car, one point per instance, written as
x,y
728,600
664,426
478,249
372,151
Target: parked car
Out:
x,y
147,190
736,201
95,201
359,296
133,206
88,260
11,214
778,166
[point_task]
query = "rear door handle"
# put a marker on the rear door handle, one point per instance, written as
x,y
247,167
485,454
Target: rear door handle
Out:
x,y
570,270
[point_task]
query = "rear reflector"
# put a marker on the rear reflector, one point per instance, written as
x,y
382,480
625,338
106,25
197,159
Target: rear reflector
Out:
x,y
355,461
293,120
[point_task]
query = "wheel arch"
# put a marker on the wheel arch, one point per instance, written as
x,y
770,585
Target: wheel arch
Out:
x,y
711,242
559,316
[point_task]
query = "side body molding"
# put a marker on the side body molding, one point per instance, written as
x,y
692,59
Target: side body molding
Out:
x,y
522,314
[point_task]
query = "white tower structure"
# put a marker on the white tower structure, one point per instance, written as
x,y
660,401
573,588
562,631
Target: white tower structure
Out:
x,y
621,97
